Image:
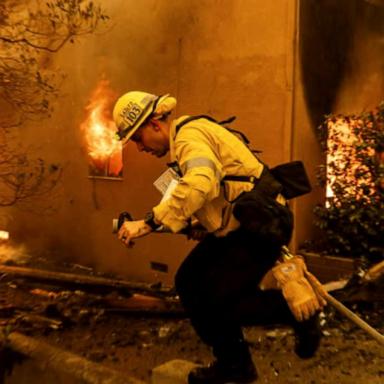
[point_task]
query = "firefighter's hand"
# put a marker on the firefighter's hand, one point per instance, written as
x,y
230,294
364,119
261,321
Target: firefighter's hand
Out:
x,y
132,230
195,231
301,298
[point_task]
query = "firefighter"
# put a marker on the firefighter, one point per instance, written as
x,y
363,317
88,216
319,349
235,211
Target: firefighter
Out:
x,y
219,281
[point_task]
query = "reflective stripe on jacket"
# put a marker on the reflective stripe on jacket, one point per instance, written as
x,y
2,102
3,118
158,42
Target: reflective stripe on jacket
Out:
x,y
206,152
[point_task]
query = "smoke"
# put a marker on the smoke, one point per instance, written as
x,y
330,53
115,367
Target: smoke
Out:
x,y
363,86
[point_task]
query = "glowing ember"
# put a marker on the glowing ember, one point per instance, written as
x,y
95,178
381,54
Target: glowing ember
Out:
x,y
105,152
4,235
339,133
342,161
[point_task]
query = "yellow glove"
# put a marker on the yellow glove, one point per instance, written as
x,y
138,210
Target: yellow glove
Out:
x,y
301,297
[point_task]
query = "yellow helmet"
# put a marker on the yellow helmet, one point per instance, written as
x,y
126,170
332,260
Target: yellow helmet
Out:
x,y
134,108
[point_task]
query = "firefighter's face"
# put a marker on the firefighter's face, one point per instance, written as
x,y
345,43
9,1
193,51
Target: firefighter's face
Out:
x,y
152,138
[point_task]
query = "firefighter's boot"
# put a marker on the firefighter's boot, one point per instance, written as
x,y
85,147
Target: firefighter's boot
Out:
x,y
307,337
232,366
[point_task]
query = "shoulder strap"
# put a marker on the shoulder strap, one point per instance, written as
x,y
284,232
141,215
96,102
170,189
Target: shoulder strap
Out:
x,y
222,123
192,118
249,179
272,183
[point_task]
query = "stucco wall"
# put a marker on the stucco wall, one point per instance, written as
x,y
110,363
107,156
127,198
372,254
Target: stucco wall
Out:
x,y
221,57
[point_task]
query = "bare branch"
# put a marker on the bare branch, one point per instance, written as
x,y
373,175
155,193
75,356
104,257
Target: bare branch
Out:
x,y
36,46
29,30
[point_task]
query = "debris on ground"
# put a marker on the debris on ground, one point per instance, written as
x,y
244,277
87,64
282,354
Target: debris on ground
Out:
x,y
134,330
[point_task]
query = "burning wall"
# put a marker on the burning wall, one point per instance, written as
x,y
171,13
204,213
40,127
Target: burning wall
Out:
x,y
104,151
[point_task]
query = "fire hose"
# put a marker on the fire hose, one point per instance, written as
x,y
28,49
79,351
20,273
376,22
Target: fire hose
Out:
x,y
125,216
354,318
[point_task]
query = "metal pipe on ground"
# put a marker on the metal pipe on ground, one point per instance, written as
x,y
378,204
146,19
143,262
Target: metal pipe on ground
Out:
x,y
81,281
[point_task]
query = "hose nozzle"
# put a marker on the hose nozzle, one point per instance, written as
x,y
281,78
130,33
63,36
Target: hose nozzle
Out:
x,y
117,223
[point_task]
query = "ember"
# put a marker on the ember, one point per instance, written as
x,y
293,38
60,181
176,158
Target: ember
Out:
x,y
342,159
104,151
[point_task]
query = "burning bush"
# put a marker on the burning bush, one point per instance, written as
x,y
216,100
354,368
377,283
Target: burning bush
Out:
x,y
352,217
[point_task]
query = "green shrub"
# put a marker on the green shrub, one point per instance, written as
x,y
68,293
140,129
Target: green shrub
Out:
x,y
352,218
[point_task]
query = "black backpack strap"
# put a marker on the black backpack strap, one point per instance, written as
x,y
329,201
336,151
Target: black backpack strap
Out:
x,y
222,123
241,134
271,182
248,179
228,121
175,166
192,118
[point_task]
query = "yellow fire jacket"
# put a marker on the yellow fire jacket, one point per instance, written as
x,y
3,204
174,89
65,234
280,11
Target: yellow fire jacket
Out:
x,y
206,152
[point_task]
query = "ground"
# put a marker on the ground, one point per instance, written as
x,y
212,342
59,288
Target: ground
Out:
x,y
136,343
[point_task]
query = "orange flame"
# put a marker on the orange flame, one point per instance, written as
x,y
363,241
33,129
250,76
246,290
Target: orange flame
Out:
x,y
104,150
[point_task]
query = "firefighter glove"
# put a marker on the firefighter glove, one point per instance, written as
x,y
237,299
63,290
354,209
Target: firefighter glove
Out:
x,y
298,292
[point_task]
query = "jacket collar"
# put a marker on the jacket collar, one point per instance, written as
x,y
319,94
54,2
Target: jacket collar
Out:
x,y
172,136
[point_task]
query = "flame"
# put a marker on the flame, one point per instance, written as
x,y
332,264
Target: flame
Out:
x,y
104,150
4,235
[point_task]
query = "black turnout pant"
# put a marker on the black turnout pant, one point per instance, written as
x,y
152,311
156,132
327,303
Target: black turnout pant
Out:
x,y
218,287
